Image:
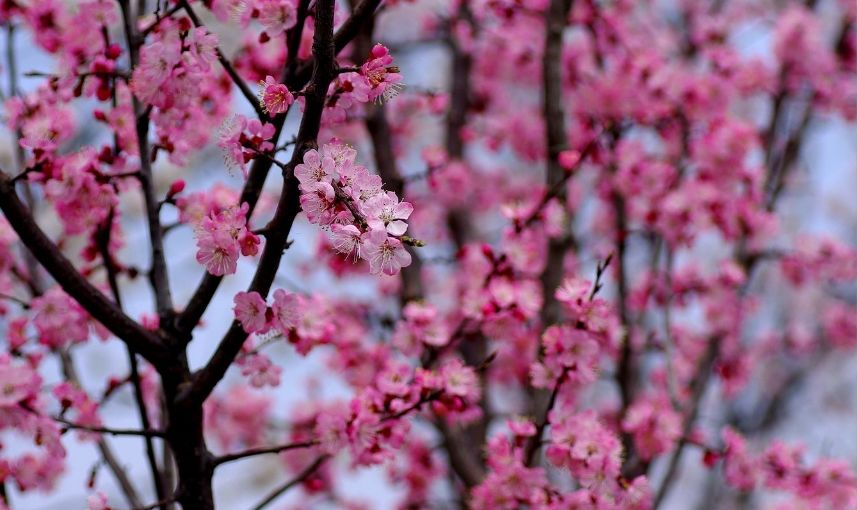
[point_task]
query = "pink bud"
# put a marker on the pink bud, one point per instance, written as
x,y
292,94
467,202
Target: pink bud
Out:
x,y
379,51
176,187
569,159
113,51
710,458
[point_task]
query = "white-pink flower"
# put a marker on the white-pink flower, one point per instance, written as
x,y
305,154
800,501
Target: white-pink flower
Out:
x,y
277,16
346,239
385,254
250,310
275,97
314,169
385,211
218,252
285,311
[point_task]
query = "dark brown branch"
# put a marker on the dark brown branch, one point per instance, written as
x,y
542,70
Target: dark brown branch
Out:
x,y
229,68
161,17
698,387
295,76
128,489
468,468
779,166
70,425
558,188
253,452
347,31
91,299
24,304
288,207
556,18
159,278
160,503
625,374
536,441
102,239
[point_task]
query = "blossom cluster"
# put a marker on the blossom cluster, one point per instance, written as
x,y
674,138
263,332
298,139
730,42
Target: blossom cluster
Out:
x,y
256,316
828,483
371,426
591,452
21,410
365,221
242,140
375,80
652,147
221,237
178,78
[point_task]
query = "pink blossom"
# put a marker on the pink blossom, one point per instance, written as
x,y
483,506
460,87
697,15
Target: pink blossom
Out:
x,y
385,254
285,311
395,380
318,202
221,237
385,211
582,444
97,501
59,320
568,353
237,417
203,48
218,252
277,16
382,77
654,425
250,310
18,383
314,169
275,97
260,371
347,239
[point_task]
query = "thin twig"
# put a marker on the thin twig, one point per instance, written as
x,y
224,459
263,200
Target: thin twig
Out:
x,y
252,452
227,66
303,475
99,430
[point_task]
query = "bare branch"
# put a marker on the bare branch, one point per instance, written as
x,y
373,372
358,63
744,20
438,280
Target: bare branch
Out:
x,y
75,285
303,475
253,452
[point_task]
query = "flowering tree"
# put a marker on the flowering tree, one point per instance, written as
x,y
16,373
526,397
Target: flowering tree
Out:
x,y
574,251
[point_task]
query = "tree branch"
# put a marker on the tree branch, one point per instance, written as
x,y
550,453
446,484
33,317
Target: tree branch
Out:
x,y
228,67
698,386
303,475
288,207
61,269
102,239
70,373
252,452
295,76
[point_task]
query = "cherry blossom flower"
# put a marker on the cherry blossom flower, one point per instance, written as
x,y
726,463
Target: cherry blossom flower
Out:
x,y
275,97
277,16
383,78
285,310
218,252
385,211
385,254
